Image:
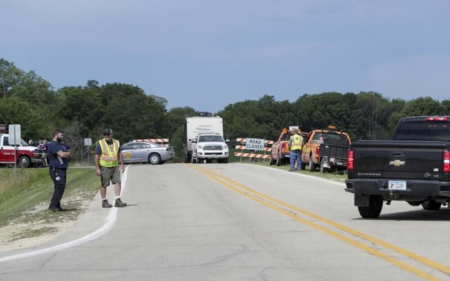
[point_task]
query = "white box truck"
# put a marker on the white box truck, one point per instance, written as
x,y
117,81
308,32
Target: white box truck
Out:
x,y
194,127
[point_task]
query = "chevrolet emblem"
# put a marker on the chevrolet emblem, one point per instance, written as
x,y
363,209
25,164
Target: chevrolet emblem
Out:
x,y
397,163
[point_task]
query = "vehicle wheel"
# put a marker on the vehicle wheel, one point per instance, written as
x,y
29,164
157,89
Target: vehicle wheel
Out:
x,y
279,161
208,160
199,160
312,165
271,161
23,162
225,160
322,166
154,159
431,205
374,209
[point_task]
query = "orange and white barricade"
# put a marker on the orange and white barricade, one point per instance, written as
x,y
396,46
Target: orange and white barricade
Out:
x,y
250,155
163,141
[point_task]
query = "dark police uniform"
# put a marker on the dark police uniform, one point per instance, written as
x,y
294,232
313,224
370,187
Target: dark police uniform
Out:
x,y
58,167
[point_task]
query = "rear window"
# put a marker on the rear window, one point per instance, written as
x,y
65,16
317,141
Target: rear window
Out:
x,y
423,131
330,137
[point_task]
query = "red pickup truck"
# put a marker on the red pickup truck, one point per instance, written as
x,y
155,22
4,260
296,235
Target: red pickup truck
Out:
x,y
26,156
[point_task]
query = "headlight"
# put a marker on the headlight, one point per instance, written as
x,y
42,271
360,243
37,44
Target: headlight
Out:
x,y
37,153
224,146
200,146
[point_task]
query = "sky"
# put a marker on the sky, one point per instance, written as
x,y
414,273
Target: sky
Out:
x,y
207,54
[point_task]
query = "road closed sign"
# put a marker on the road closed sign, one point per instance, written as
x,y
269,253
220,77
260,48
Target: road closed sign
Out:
x,y
254,144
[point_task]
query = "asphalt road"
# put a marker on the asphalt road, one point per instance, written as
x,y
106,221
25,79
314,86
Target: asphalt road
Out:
x,y
239,222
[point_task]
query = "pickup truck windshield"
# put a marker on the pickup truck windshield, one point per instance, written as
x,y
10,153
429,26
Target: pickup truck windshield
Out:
x,y
423,131
210,139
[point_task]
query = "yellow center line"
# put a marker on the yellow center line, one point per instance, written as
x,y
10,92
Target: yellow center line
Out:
x,y
364,236
250,193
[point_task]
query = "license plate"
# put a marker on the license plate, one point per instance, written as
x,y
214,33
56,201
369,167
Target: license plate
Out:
x,y
397,185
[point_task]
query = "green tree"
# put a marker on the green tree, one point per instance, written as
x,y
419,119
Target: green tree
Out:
x,y
9,77
423,106
178,144
321,110
16,111
33,88
263,118
82,105
239,119
396,109
373,111
130,112
446,107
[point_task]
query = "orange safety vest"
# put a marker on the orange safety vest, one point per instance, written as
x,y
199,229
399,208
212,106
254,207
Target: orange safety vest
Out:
x,y
108,158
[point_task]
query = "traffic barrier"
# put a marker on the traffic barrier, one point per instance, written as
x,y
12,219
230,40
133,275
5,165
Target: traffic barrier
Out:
x,y
163,141
252,155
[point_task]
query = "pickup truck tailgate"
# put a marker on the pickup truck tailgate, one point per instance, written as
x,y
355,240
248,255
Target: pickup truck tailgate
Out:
x,y
398,159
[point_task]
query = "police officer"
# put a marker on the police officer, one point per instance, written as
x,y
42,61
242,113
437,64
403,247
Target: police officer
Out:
x,y
58,161
295,147
107,158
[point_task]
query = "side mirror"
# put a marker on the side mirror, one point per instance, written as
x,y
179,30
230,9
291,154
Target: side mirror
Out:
x,y
194,141
227,140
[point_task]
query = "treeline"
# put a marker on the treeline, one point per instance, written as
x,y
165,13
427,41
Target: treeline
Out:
x,y
83,111
366,115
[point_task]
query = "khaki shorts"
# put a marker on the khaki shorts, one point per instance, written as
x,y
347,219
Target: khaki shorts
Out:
x,y
110,175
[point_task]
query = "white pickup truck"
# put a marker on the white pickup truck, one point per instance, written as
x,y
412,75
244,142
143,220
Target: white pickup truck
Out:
x,y
209,147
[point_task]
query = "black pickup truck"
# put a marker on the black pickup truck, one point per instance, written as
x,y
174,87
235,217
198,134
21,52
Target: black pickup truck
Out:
x,y
333,155
414,166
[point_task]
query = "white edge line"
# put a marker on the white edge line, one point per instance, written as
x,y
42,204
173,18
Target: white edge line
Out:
x,y
109,223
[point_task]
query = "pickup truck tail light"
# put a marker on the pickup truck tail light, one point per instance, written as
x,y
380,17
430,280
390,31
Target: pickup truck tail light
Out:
x,y
446,164
317,150
350,162
437,118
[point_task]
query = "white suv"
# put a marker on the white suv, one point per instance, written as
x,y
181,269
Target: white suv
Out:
x,y
209,147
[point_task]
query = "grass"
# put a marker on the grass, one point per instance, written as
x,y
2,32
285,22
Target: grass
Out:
x,y
26,198
317,173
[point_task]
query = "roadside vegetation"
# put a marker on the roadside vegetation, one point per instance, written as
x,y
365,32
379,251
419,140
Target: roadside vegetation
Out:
x,y
24,197
82,111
